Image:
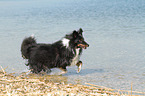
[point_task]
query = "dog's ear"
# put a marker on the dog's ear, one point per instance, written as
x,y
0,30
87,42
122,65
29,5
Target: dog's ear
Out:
x,y
80,31
75,33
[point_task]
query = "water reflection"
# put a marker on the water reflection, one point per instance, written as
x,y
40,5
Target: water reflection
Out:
x,y
44,77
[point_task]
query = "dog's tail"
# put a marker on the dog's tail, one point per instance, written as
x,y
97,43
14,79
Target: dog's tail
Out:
x,y
27,45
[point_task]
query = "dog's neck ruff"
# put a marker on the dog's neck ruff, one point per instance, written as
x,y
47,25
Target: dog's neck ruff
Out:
x,y
65,42
76,52
76,57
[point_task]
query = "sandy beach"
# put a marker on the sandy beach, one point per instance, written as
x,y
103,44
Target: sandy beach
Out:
x,y
46,85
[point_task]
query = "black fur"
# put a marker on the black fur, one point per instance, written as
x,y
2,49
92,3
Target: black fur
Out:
x,y
43,57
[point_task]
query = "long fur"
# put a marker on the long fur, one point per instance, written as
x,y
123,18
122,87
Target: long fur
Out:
x,y
43,57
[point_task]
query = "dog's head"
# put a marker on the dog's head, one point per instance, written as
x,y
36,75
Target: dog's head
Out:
x,y
78,39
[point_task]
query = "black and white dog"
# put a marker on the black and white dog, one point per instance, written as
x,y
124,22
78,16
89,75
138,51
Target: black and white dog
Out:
x,y
65,52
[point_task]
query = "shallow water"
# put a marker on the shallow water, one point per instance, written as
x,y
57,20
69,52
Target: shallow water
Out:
x,y
114,29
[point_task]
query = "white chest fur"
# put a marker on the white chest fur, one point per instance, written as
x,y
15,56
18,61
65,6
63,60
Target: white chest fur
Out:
x,y
76,58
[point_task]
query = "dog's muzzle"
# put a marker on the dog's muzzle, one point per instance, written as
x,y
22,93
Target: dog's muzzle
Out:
x,y
83,45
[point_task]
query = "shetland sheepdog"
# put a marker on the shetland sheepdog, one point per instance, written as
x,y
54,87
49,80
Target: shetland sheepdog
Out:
x,y
63,53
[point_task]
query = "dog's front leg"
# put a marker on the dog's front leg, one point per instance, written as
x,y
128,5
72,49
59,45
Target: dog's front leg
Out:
x,y
79,64
64,70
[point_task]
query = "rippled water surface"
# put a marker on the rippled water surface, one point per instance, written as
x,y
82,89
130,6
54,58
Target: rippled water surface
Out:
x,y
114,29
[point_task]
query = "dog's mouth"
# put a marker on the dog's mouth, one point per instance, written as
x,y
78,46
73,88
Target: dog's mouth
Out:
x,y
83,46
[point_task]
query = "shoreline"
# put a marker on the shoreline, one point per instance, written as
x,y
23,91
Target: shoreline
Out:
x,y
46,85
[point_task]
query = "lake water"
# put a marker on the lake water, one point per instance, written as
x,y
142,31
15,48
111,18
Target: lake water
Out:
x,y
114,29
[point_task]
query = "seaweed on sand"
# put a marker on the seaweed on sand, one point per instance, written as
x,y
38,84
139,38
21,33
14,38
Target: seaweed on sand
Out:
x,y
50,86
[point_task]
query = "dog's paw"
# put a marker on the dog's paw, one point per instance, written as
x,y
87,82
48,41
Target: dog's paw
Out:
x,y
63,72
79,64
79,68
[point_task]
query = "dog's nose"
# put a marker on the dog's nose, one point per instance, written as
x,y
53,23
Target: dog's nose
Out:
x,y
87,45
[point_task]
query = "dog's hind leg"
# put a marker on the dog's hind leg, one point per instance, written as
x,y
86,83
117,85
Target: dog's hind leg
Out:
x,y
79,64
46,69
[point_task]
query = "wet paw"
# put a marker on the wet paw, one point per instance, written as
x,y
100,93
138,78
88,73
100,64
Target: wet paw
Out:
x,y
79,64
64,71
